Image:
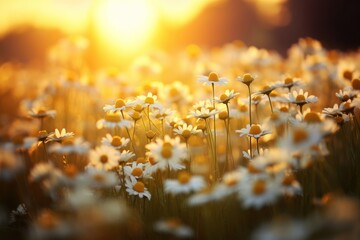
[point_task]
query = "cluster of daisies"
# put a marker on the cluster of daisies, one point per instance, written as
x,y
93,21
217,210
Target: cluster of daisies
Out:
x,y
245,136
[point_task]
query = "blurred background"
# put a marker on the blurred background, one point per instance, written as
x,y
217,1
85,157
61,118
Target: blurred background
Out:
x,y
119,30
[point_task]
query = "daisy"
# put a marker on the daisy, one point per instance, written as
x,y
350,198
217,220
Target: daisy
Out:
x,y
113,120
258,191
185,183
177,93
186,131
289,185
21,143
346,94
137,188
161,113
203,113
228,185
115,141
97,178
60,136
300,98
255,130
120,105
104,157
149,100
68,146
168,153
332,112
227,96
126,155
213,79
40,112
246,79
136,171
289,82
174,227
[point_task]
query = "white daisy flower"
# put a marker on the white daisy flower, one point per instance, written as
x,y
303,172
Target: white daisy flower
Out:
x,y
97,178
186,131
161,113
136,171
126,155
59,136
115,141
258,191
289,185
120,105
137,188
203,113
213,78
113,120
168,153
301,97
185,183
104,157
40,112
68,146
21,143
227,96
228,185
149,100
334,111
255,130
246,79
174,227
346,94
289,82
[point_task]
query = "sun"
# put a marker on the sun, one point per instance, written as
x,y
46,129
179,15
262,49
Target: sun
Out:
x,y
125,25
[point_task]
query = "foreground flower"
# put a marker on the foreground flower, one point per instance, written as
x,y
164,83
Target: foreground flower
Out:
x,y
104,157
115,141
255,131
168,153
186,131
246,79
137,188
59,136
67,146
174,227
185,183
97,178
113,120
227,96
120,105
258,191
213,78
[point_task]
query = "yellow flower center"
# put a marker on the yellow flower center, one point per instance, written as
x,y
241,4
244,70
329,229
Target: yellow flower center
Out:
x,y
139,187
149,100
213,77
243,108
41,111
137,172
166,151
184,177
274,116
284,109
255,129
67,142
355,83
300,135
347,74
173,223
288,180
116,141
120,103
138,107
99,178
150,134
312,117
141,160
230,181
48,220
259,187
257,98
252,169
135,115
345,97
300,98
152,161
112,117
104,159
223,97
247,78
173,92
288,80
223,115
347,105
186,133
201,124
70,170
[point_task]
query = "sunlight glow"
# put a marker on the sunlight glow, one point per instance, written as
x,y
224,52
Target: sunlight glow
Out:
x,y
126,24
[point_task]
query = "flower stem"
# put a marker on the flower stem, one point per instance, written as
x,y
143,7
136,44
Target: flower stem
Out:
x,y
272,111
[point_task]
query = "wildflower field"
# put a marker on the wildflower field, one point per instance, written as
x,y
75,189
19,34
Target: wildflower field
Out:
x,y
235,142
